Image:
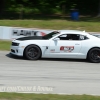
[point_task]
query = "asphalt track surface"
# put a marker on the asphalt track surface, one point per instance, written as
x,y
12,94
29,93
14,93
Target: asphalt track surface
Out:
x,y
61,76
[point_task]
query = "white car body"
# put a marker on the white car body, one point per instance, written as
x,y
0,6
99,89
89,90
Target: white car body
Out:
x,y
56,48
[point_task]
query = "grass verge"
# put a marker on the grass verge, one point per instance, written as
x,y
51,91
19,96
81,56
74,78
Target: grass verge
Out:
x,y
21,96
57,24
5,45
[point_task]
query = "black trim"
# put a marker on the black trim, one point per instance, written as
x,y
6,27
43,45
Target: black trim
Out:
x,y
31,38
12,50
15,44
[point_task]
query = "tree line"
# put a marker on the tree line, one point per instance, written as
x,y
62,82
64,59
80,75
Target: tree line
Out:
x,y
20,8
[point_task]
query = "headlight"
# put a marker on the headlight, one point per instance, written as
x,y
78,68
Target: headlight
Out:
x,y
15,44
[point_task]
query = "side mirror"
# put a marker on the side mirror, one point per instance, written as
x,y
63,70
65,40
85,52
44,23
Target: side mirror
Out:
x,y
56,39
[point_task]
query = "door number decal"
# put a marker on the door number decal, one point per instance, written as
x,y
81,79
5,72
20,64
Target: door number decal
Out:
x,y
67,48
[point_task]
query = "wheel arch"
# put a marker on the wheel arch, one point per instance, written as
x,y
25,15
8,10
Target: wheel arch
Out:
x,y
30,45
91,49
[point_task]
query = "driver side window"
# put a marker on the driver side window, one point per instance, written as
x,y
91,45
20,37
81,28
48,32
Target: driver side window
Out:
x,y
69,37
63,37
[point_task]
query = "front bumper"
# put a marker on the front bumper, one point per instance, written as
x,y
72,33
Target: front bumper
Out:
x,y
17,50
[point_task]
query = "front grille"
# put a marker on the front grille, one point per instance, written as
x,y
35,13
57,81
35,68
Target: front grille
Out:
x,y
12,50
15,44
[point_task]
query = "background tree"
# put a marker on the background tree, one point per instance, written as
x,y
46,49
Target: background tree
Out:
x,y
26,8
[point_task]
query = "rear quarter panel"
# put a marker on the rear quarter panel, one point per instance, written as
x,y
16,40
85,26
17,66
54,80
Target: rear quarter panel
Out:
x,y
89,44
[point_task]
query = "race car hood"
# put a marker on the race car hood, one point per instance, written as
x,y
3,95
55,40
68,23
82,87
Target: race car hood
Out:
x,y
31,38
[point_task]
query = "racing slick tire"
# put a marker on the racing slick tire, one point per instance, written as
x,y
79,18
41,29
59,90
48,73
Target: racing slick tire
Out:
x,y
94,55
32,52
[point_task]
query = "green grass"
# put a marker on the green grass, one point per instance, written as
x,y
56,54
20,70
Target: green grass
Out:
x,y
85,23
21,96
88,24
5,45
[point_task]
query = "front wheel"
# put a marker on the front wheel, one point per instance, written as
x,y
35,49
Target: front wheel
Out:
x,y
94,55
32,52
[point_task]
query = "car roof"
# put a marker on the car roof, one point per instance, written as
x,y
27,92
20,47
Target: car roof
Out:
x,y
73,32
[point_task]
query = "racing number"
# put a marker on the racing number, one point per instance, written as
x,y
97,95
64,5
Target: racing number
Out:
x,y
67,48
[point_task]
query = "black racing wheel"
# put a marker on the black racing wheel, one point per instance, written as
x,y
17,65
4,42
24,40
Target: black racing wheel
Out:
x,y
32,52
94,55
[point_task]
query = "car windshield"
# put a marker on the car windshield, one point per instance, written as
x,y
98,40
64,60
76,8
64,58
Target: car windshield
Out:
x,y
50,35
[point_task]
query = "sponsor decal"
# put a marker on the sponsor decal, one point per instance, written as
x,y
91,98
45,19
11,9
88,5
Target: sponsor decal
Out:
x,y
82,37
23,32
27,32
62,48
52,50
42,33
67,48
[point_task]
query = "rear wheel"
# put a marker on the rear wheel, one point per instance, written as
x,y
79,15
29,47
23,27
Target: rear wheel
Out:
x,y
32,52
94,55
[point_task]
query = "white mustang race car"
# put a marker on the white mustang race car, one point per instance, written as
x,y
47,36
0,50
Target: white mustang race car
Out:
x,y
58,44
